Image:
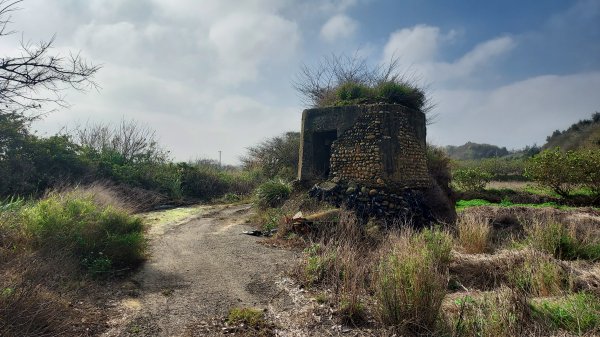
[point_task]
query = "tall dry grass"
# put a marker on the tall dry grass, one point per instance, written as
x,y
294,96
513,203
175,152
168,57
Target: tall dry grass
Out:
x,y
473,233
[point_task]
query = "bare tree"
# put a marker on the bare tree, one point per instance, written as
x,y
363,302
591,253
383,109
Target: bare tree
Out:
x,y
132,140
36,78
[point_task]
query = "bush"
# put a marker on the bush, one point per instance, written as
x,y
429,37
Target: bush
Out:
x,y
411,279
344,80
273,193
554,169
103,238
471,179
276,157
351,92
401,93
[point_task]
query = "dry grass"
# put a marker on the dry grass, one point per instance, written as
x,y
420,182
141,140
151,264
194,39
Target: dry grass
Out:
x,y
502,259
473,233
502,313
411,279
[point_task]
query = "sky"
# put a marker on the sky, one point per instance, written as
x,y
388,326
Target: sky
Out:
x,y
216,75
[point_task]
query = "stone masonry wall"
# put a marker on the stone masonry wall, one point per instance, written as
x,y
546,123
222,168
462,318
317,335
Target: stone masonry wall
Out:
x,y
378,145
356,154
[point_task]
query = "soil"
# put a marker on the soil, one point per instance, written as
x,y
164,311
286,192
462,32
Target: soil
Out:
x,y
198,270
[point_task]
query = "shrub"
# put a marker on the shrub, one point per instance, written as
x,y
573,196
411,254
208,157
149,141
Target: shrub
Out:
x,y
342,80
563,171
577,313
352,91
103,238
554,169
411,279
401,93
438,165
471,179
273,193
275,157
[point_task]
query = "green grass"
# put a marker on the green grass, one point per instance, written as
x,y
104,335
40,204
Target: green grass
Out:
x,y
462,204
253,317
577,313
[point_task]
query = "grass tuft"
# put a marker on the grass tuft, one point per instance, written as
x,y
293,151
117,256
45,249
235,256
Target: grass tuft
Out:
x,y
411,279
473,233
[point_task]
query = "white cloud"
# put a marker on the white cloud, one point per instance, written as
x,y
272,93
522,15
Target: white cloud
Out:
x,y
415,45
418,50
338,27
514,115
245,41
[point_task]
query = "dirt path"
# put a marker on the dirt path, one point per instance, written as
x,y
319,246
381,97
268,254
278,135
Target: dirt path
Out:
x,y
199,269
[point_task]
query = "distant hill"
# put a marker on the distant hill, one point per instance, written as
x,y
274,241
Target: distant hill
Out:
x,y
583,134
472,150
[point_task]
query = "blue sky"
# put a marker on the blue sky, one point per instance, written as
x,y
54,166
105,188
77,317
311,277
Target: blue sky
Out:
x,y
216,75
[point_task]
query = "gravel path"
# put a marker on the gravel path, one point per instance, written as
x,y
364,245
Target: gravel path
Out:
x,y
199,269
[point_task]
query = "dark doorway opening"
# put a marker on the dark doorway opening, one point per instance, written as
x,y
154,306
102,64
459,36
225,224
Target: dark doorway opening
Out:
x,y
322,151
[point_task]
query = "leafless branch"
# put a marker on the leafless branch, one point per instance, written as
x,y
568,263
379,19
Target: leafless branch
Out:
x,y
36,77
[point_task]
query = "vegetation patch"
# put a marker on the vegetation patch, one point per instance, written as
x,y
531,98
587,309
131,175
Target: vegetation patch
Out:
x,y
273,193
410,281
500,313
578,313
104,239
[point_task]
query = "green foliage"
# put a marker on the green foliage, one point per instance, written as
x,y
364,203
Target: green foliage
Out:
x,y
276,157
501,169
471,179
563,172
401,93
352,91
577,313
410,281
103,238
29,165
438,165
347,80
391,92
272,193
554,169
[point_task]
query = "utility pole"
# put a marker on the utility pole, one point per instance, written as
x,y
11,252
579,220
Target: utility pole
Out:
x,y
220,165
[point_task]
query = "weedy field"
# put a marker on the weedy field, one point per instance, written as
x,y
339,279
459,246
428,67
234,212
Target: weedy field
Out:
x,y
509,270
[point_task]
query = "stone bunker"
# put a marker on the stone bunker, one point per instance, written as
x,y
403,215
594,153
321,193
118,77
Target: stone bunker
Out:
x,y
372,159
372,145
